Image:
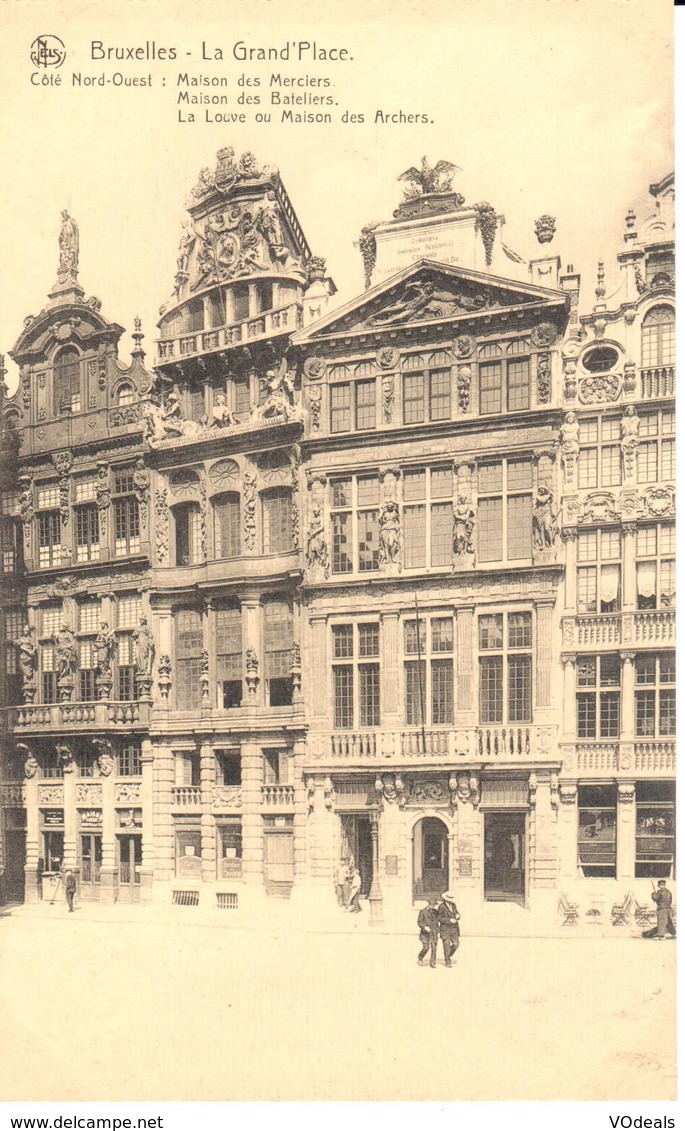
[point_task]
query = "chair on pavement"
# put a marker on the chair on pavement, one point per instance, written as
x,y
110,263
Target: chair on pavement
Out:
x,y
568,910
645,916
621,911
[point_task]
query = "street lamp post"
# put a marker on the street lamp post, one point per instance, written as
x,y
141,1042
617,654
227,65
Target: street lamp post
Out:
x,y
375,894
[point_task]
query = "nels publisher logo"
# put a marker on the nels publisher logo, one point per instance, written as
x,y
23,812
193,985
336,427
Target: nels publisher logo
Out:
x,y
48,51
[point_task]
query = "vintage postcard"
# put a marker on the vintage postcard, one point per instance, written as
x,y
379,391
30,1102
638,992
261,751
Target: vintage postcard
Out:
x,y
337,519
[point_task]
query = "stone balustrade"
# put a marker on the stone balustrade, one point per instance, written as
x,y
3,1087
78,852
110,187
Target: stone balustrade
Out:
x,y
248,330
278,795
187,796
435,744
652,627
658,381
96,716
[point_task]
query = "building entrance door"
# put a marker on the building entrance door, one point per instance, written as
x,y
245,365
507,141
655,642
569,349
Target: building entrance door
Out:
x,y
356,846
505,857
431,858
130,853
279,861
15,847
91,862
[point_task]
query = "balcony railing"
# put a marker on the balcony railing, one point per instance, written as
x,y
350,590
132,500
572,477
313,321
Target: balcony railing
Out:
x,y
631,756
278,794
608,630
248,330
187,796
658,382
448,744
88,716
601,756
655,756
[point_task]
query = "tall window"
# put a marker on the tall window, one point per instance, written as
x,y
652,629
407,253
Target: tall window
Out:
x,y
187,520
505,644
278,635
13,622
241,394
228,767
87,533
428,517
597,830
276,767
227,525
356,676
129,760
426,388
86,761
48,673
11,545
655,695
196,404
51,552
88,624
656,451
67,382
277,520
429,672
655,841
188,659
598,696
229,656
125,394
352,397
505,511
129,609
658,338
241,302
504,379
599,461
126,514
599,575
655,566
354,523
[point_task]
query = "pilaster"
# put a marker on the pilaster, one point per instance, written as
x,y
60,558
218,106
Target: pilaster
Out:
x,y
253,836
148,801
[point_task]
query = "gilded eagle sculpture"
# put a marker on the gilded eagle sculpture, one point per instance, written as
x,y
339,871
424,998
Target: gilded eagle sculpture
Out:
x,y
429,178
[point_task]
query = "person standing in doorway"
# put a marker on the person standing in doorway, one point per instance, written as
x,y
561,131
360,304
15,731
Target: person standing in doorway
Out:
x,y
354,891
448,924
428,931
342,875
70,888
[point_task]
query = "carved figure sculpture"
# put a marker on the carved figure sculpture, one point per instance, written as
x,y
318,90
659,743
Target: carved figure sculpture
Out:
x,y
222,417
68,245
144,649
429,178
280,394
464,525
66,654
105,645
27,655
569,435
317,550
389,532
544,519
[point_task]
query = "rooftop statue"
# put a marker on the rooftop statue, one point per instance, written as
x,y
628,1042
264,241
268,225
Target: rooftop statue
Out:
x,y
429,178
68,247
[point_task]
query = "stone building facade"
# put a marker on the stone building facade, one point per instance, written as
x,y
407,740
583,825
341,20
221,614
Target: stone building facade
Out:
x,y
388,583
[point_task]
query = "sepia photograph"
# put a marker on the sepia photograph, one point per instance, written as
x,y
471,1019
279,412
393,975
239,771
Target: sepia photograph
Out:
x,y
337,513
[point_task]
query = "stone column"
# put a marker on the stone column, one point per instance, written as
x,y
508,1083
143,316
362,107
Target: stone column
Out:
x,y
147,797
626,749
543,856
207,823
163,825
375,893
108,871
253,834
569,727
625,831
568,831
318,698
466,700
300,815
391,681
543,662
70,832
252,640
31,890
570,540
629,601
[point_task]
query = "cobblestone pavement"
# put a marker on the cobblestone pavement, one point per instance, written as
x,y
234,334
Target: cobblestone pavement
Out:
x,y
129,1006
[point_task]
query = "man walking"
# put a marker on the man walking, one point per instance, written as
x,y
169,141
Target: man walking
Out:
x,y
70,888
448,925
354,890
664,902
341,880
428,931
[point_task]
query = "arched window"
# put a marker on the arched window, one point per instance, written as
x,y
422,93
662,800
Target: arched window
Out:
x,y
227,526
188,534
67,382
277,520
658,338
125,394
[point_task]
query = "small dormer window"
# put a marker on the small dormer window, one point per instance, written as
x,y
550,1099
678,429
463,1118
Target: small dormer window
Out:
x,y
125,394
67,382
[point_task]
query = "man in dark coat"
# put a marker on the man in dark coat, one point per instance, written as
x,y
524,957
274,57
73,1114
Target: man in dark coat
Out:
x,y
70,889
428,931
448,925
664,902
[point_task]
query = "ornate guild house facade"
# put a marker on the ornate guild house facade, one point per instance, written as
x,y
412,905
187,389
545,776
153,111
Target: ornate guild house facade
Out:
x,y
388,583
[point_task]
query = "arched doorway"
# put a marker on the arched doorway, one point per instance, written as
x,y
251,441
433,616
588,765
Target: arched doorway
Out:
x,y
431,857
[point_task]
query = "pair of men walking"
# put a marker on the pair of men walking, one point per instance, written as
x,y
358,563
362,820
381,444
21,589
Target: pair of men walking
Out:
x,y
439,917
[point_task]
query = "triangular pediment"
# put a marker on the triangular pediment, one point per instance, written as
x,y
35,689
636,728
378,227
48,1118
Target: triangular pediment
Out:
x,y
427,293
